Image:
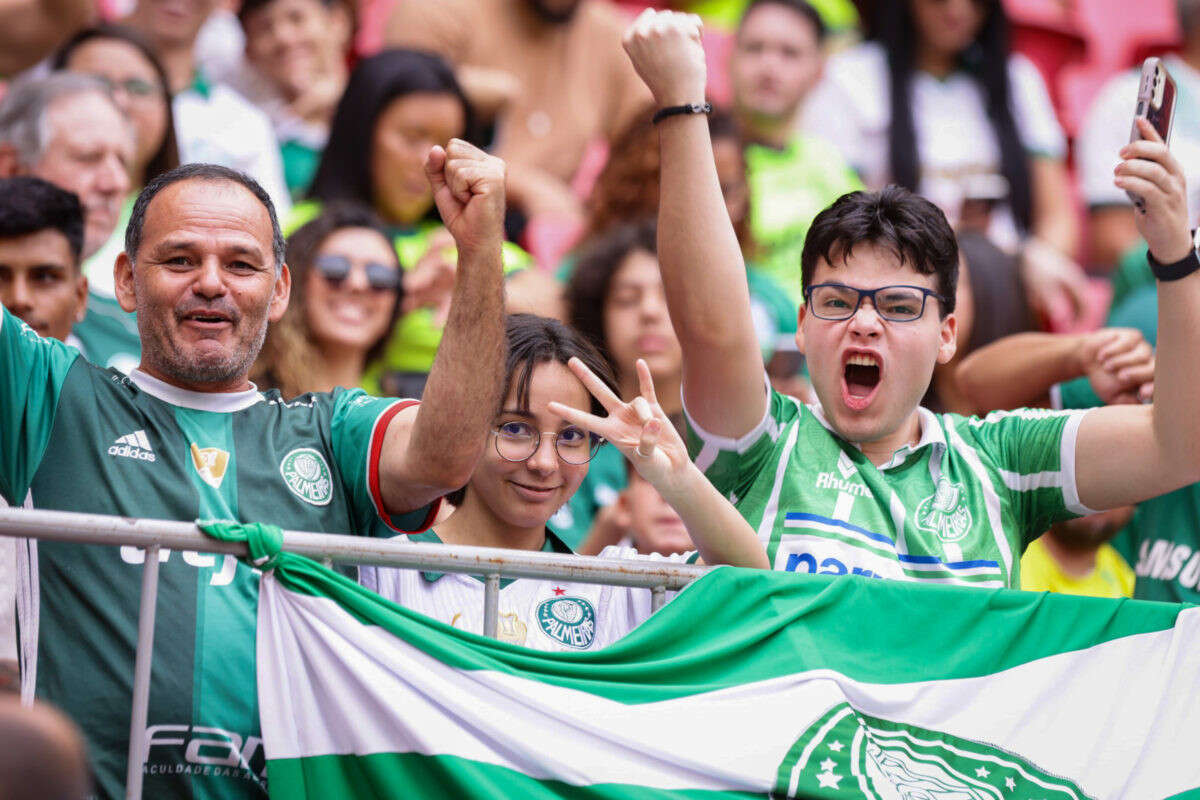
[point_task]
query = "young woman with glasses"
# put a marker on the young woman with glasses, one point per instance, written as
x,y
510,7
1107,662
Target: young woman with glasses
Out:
x,y
537,455
346,295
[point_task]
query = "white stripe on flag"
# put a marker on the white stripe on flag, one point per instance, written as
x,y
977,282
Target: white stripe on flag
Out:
x,y
329,684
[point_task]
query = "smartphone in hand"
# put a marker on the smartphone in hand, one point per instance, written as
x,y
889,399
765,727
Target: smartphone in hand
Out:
x,y
1155,102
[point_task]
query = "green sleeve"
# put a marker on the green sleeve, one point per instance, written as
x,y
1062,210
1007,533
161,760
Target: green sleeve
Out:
x,y
1032,452
357,428
732,465
32,372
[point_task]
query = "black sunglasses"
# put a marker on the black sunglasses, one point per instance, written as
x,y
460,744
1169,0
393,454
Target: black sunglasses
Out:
x,y
335,269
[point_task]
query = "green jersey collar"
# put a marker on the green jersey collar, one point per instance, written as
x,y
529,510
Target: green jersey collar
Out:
x,y
931,435
201,401
553,544
201,85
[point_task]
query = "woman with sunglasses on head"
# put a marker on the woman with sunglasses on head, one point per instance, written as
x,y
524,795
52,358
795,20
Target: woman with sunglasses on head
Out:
x,y
346,295
541,444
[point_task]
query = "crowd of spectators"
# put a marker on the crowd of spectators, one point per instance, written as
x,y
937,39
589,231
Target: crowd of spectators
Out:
x,y
333,108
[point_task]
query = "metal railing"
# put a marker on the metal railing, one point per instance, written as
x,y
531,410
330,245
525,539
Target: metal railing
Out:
x,y
490,562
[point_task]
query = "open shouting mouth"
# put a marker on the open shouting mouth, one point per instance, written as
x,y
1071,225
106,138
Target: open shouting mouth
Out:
x,y
861,374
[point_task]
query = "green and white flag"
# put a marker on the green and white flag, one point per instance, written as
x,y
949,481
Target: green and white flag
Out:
x,y
749,684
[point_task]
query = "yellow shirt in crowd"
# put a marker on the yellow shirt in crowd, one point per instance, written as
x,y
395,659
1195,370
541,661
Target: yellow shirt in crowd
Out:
x,y
1112,577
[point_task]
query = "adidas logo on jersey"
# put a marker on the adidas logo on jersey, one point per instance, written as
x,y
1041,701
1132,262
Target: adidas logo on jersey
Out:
x,y
134,445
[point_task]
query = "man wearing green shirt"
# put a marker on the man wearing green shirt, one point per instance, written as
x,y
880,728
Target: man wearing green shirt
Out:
x,y
866,482
186,435
777,61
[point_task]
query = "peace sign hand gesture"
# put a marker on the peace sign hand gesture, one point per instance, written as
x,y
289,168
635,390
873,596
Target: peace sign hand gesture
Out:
x,y
639,429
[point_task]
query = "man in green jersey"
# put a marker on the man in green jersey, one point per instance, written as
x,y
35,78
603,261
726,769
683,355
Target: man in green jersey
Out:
x,y
187,436
777,60
866,482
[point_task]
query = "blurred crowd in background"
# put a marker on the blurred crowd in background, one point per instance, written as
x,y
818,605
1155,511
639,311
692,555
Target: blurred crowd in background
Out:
x,y
1006,113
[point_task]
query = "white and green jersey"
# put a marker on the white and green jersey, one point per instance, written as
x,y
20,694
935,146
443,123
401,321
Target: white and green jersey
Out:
x,y
959,507
539,614
74,437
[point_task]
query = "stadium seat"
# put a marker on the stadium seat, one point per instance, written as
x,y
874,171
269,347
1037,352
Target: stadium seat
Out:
x,y
1051,45
1115,29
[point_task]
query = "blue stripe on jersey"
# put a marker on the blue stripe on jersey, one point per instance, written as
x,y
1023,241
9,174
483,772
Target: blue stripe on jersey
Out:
x,y
798,516
802,517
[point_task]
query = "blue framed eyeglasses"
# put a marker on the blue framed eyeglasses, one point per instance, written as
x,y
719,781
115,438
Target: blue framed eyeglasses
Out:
x,y
837,301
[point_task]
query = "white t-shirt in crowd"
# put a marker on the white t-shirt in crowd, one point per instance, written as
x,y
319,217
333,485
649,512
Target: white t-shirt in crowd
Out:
x,y
216,125
1107,127
851,107
539,614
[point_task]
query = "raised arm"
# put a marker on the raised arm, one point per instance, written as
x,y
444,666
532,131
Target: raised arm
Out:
x,y
702,268
644,435
432,449
1126,454
1019,370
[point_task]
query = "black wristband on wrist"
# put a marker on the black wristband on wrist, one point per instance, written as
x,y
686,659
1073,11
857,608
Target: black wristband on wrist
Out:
x,y
689,108
1180,269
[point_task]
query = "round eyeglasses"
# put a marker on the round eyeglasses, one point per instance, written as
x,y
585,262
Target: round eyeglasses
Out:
x,y
836,301
518,441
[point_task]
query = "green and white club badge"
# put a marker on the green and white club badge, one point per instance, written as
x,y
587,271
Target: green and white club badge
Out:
x,y
305,472
943,513
568,620
847,754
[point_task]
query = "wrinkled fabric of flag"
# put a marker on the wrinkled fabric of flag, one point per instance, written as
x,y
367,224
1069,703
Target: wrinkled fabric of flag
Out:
x,y
748,684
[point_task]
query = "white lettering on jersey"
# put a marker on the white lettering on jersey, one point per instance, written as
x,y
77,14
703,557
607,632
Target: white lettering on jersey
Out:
x,y
206,746
222,577
830,480
134,445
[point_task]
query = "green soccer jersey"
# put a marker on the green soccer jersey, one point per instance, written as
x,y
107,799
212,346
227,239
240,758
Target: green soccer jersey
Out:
x,y
108,335
74,437
788,188
959,507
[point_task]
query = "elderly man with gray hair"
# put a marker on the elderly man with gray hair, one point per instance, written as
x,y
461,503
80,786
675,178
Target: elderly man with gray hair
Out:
x,y
65,129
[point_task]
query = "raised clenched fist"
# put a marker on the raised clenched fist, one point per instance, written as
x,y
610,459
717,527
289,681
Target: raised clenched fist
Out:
x,y
468,188
665,49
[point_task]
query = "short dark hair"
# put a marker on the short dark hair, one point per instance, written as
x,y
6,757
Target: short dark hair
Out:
x,y
345,169
29,205
200,172
908,225
599,260
534,340
801,7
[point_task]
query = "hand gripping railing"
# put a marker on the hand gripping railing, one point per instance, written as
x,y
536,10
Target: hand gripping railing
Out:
x,y
490,562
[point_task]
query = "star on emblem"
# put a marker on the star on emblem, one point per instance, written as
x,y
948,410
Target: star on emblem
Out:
x,y
1010,783
982,772
828,780
828,764
559,591
836,746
